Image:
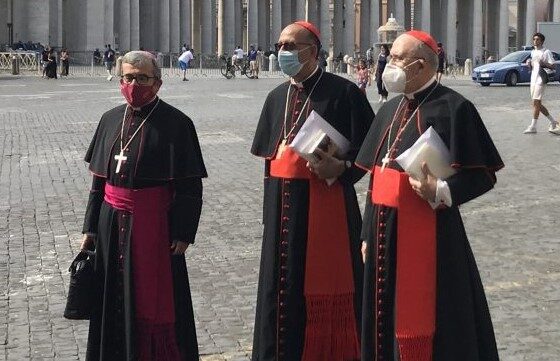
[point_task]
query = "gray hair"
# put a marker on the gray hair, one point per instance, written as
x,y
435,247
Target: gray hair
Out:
x,y
139,58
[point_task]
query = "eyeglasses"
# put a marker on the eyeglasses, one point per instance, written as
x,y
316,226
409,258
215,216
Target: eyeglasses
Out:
x,y
289,45
141,79
397,58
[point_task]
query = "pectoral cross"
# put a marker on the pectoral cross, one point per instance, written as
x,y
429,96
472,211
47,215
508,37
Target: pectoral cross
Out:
x,y
385,161
120,158
281,149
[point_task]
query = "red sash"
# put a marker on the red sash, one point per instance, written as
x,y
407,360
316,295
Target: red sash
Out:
x,y
416,263
330,332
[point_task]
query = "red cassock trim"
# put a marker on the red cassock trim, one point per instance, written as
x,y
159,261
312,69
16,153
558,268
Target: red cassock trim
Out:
x,y
330,332
416,263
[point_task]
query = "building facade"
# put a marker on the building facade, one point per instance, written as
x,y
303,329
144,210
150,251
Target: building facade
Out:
x,y
468,28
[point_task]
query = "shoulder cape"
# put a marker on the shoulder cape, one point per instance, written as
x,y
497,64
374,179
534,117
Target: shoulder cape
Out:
x,y
169,150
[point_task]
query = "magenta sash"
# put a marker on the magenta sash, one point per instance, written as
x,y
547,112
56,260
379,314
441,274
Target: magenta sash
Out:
x,y
151,268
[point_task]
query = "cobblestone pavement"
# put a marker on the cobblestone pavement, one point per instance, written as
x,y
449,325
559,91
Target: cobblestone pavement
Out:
x,y
45,127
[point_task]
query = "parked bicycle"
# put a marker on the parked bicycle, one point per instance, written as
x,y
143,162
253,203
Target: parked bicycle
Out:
x,y
228,69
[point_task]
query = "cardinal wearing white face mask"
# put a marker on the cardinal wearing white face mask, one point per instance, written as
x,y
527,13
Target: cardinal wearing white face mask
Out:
x,y
310,277
420,277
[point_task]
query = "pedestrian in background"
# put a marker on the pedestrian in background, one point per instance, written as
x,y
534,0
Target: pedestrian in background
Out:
x,y
65,60
363,78
109,59
185,62
541,64
252,57
382,60
441,62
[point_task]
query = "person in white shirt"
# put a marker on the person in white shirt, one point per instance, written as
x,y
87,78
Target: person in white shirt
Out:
x,y
184,62
541,64
237,57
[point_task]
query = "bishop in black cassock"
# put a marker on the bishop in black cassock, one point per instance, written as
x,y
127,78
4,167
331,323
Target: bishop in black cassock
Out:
x,y
423,296
143,211
310,280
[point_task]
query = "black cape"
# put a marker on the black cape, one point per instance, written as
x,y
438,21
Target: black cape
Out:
x,y
165,152
464,330
345,107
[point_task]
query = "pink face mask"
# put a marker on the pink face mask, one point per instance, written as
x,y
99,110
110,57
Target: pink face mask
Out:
x,y
138,95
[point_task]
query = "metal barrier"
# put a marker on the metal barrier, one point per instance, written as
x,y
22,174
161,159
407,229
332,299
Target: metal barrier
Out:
x,y
84,64
28,61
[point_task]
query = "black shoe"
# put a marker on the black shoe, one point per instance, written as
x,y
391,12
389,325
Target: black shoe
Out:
x,y
185,79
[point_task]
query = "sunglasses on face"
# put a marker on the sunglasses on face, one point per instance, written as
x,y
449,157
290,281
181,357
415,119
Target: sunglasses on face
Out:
x,y
141,79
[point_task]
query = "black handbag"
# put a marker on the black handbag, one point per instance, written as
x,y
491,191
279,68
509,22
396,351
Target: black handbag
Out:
x,y
81,292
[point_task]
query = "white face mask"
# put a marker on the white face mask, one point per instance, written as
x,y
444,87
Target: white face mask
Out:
x,y
394,78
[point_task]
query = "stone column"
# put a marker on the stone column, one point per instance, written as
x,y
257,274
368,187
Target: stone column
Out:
x,y
350,27
264,26
407,15
238,23
207,41
520,41
185,8
226,27
503,37
253,35
276,20
108,27
163,39
374,16
301,10
94,27
477,32
451,38
134,24
286,6
174,27
195,25
426,16
338,33
365,27
399,12
124,25
556,10
530,22
312,12
325,26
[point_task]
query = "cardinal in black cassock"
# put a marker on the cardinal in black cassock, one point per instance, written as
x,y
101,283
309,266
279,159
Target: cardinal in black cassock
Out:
x,y
143,211
310,281
423,297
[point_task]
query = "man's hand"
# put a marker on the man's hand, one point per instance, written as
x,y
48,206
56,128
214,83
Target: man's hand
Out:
x,y
327,166
364,250
87,242
179,248
425,188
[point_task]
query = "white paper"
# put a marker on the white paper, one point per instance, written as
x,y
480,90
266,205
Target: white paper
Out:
x,y
431,149
314,126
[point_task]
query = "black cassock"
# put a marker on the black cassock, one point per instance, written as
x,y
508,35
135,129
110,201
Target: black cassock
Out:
x,y
464,329
165,152
280,335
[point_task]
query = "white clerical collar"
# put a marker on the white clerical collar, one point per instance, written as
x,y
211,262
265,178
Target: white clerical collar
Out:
x,y
424,87
300,84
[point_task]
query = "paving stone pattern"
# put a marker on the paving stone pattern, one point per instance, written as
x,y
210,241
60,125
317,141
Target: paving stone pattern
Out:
x,y
45,128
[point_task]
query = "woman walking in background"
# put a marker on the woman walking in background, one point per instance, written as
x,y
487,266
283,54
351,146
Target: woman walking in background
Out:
x,y
65,60
382,60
